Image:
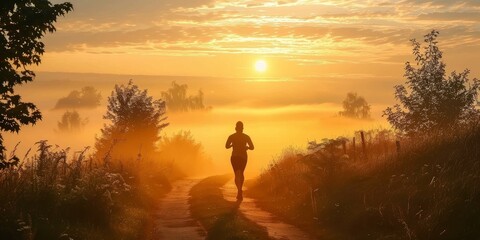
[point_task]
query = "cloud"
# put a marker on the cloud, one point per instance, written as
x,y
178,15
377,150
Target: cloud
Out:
x,y
123,10
309,31
444,3
451,16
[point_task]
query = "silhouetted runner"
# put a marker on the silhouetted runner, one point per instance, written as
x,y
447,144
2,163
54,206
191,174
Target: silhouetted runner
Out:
x,y
240,142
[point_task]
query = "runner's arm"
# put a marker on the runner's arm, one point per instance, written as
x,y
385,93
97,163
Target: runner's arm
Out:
x,y
250,144
228,144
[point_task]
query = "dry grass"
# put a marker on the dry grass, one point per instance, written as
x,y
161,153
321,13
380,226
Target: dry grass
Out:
x,y
429,190
50,195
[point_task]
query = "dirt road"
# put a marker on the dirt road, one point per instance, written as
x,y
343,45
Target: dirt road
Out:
x,y
173,219
276,228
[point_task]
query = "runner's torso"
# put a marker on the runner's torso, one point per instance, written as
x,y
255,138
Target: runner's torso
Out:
x,y
239,144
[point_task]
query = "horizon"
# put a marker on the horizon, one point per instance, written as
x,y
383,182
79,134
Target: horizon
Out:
x,y
264,113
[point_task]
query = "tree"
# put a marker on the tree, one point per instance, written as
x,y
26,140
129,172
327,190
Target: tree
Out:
x,y
88,97
136,120
178,101
71,122
22,25
429,99
355,106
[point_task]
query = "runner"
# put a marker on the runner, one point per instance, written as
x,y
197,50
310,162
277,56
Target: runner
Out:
x,y
240,142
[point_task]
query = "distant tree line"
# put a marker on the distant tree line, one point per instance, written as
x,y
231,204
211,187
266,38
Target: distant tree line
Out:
x,y
355,106
87,97
177,99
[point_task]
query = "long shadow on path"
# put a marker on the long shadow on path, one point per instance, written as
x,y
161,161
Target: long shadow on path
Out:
x,y
275,228
221,218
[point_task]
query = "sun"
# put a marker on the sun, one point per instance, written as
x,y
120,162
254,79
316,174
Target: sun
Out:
x,y
260,66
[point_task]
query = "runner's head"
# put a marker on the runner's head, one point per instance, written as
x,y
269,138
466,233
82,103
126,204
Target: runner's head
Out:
x,y
239,126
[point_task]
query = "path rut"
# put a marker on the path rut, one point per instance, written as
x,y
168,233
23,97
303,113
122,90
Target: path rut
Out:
x,y
174,220
276,228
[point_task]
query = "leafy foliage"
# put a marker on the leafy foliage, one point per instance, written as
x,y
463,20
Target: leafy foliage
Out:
x,y
430,100
427,190
185,153
71,122
88,97
178,101
136,120
22,24
332,146
355,106
59,195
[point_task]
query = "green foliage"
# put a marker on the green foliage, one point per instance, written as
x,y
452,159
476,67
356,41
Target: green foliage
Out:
x,y
355,106
136,120
71,122
22,25
88,97
430,100
178,101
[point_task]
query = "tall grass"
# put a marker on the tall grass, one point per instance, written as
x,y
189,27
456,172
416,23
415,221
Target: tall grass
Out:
x,y
427,190
56,194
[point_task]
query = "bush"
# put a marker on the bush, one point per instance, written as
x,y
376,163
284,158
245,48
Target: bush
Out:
x,y
49,195
183,152
425,191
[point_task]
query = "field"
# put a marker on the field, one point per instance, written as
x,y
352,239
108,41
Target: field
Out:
x,y
426,188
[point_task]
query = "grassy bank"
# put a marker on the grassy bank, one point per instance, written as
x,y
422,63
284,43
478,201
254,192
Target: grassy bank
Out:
x,y
427,190
219,217
52,196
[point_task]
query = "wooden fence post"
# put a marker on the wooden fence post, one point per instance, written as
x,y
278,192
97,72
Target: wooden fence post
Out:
x,y
363,144
354,149
314,202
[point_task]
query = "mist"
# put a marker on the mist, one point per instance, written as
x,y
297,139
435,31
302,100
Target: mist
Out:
x,y
277,114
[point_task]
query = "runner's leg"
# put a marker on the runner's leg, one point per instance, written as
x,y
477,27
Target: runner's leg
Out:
x,y
238,164
239,179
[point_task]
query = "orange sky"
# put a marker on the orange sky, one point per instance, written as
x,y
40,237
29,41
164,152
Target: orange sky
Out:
x,y
316,52
297,38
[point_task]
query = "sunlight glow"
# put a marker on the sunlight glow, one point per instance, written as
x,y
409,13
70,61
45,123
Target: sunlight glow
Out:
x,y
261,66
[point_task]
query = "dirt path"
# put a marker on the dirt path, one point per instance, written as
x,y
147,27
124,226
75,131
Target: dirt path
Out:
x,y
174,218
275,228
